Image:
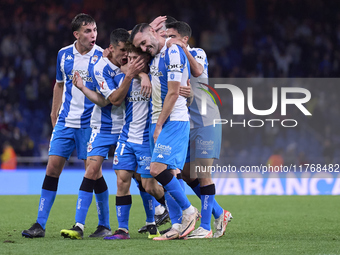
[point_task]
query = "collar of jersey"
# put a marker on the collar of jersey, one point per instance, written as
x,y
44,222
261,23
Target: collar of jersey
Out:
x,y
90,53
112,66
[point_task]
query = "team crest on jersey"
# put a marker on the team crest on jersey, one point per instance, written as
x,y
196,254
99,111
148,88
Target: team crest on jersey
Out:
x,y
89,147
115,160
94,59
163,54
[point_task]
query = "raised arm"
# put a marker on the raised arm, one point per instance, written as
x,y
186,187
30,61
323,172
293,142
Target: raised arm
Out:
x,y
134,68
93,96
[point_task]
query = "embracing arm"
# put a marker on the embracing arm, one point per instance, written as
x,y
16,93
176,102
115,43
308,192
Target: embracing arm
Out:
x,y
195,67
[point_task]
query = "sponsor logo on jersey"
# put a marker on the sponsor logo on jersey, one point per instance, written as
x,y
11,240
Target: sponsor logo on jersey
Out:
x,y
97,73
69,57
204,152
160,156
173,52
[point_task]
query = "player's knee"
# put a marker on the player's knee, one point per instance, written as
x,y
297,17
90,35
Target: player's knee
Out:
x,y
122,185
54,169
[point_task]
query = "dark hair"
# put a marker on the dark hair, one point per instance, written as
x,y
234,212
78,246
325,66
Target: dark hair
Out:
x,y
119,35
169,19
182,28
131,48
138,28
80,20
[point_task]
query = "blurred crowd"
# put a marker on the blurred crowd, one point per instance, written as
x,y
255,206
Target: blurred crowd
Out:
x,y
246,38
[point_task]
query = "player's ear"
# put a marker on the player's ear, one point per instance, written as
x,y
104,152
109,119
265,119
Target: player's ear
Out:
x,y
76,34
186,39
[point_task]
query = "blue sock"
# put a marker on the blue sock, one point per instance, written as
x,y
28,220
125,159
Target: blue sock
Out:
x,y
46,201
207,201
102,198
148,202
171,184
84,199
48,194
83,203
174,210
179,177
217,209
123,205
149,206
156,203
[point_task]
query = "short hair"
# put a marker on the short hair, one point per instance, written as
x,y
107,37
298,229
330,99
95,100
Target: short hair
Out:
x,y
131,48
182,28
119,35
138,28
169,19
80,20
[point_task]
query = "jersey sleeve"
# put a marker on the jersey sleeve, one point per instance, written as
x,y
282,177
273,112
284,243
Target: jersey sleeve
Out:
x,y
59,71
175,60
200,56
104,81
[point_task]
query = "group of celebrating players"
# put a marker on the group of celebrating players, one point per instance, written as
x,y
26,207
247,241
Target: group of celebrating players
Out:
x,y
134,95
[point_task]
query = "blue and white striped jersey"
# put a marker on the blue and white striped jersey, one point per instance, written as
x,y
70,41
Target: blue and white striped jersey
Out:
x,y
197,119
76,109
170,64
137,114
108,119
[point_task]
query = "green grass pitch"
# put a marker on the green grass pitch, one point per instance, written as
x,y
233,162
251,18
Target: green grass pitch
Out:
x,y
261,225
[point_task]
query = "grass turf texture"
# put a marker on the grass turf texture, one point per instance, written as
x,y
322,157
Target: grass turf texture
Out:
x,y
261,225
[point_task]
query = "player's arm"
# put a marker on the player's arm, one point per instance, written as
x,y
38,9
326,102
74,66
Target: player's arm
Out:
x,y
93,96
195,67
169,103
56,102
134,68
146,87
187,92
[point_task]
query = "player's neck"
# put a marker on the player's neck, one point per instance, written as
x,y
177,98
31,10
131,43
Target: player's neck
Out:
x,y
161,41
82,50
114,61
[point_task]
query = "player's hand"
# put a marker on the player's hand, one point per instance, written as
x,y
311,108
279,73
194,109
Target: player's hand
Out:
x,y
175,41
158,130
157,23
106,53
185,91
77,80
146,87
135,66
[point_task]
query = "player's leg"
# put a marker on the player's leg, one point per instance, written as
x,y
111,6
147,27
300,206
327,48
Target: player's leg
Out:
x,y
171,145
124,158
102,195
62,145
123,205
97,150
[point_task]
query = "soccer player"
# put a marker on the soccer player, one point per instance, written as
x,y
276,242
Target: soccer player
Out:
x,y
202,154
72,123
169,132
133,150
106,122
